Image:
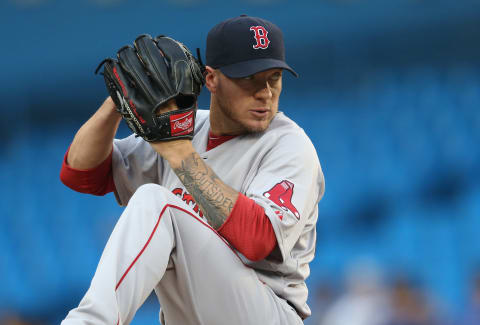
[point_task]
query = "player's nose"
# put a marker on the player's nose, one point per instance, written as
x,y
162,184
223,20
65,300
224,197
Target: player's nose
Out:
x,y
264,92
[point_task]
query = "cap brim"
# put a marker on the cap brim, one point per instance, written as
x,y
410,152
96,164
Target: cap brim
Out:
x,y
248,68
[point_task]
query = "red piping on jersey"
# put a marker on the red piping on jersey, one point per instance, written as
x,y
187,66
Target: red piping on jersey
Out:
x,y
155,229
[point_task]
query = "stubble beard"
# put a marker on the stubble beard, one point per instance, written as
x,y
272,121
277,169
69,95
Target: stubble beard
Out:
x,y
225,106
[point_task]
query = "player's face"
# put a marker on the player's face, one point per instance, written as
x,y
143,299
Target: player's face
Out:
x,y
245,105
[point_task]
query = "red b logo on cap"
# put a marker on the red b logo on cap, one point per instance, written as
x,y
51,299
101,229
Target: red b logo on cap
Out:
x,y
260,37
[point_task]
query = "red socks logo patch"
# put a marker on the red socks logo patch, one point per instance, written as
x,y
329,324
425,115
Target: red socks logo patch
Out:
x,y
281,194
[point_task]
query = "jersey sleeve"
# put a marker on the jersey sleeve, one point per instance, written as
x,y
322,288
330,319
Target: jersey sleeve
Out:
x,y
96,181
289,185
249,230
134,163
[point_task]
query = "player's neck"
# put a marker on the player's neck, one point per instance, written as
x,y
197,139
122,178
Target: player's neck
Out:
x,y
220,124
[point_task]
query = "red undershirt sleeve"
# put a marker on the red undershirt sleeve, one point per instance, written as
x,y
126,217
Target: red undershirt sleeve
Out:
x,y
96,181
249,229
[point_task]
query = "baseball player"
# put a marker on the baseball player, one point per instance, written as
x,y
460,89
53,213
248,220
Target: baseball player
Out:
x,y
221,204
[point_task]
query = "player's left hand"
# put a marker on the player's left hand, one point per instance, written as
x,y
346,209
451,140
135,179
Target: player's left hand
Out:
x,y
145,77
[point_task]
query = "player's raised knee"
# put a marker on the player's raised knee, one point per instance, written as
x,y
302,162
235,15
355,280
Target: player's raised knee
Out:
x,y
150,193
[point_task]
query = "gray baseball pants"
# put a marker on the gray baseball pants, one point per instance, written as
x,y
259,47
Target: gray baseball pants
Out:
x,y
160,244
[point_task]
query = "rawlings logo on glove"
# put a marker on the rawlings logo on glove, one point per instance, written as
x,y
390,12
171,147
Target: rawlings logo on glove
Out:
x,y
181,123
145,77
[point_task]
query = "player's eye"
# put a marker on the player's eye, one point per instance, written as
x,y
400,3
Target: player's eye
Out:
x,y
276,76
248,77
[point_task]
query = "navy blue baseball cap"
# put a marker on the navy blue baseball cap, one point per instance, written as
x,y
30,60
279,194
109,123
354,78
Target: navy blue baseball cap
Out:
x,y
242,46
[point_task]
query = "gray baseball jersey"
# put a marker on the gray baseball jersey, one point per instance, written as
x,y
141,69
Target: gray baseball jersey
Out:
x,y
278,168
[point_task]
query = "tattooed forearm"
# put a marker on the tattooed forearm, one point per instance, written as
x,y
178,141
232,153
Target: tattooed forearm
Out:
x,y
215,198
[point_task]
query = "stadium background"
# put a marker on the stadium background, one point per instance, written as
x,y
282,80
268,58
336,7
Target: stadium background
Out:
x,y
389,92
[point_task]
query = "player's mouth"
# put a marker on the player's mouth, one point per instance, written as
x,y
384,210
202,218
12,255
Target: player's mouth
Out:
x,y
260,112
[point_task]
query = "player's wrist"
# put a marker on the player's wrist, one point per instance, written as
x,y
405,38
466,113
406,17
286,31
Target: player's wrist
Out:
x,y
108,108
174,151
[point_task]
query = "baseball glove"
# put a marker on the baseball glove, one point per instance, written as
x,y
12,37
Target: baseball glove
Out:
x,y
145,77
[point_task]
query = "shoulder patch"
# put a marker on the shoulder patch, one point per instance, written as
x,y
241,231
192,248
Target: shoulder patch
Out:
x,y
281,194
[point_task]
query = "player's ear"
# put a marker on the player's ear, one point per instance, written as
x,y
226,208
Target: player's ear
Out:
x,y
211,79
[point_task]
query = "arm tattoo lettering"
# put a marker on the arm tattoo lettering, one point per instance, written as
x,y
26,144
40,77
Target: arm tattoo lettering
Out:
x,y
214,197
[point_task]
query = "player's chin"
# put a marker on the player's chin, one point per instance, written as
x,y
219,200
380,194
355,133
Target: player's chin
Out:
x,y
257,126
